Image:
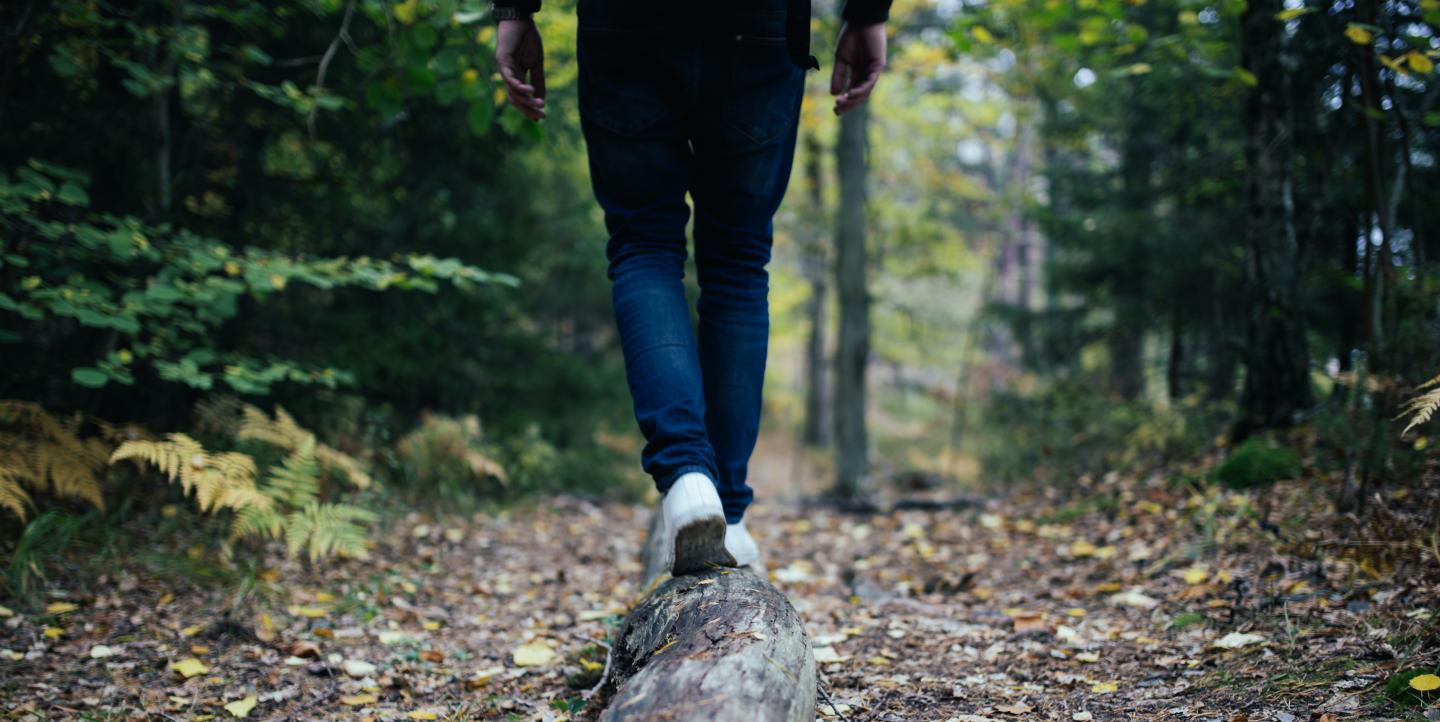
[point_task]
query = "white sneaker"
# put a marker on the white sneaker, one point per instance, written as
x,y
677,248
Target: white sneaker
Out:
x,y
742,546
694,526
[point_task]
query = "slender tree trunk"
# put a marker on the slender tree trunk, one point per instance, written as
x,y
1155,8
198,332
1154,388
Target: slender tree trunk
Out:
x,y
1277,363
813,266
853,346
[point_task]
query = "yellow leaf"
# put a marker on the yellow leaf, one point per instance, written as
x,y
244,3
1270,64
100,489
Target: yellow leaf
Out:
x,y
1418,62
278,281
199,649
431,626
405,11
1082,548
241,707
980,33
166,598
1105,688
54,632
58,608
1292,13
591,666
6,612
1358,35
188,668
192,630
423,715
1195,575
534,654
482,677
1425,683
1393,64
356,700
310,612
324,597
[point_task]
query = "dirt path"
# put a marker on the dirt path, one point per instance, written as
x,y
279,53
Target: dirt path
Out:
x,y
1137,604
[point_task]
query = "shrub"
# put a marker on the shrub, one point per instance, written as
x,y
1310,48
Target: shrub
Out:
x,y
1258,462
448,457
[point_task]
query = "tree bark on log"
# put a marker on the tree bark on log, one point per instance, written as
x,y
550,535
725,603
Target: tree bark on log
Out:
x,y
722,645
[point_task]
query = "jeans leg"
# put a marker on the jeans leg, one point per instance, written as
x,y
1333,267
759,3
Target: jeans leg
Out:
x,y
641,166
743,160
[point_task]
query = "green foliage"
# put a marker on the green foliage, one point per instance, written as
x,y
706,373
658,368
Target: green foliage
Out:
x,y
1258,462
1061,430
164,293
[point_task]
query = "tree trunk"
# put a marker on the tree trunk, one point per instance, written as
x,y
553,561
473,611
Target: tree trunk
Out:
x,y
1277,363
853,346
721,645
814,267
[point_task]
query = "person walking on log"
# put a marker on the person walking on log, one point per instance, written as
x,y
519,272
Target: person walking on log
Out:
x,y
700,98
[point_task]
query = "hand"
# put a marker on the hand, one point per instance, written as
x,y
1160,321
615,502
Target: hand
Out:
x,y
859,58
519,53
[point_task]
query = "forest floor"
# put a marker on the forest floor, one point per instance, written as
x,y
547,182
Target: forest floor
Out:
x,y
1128,600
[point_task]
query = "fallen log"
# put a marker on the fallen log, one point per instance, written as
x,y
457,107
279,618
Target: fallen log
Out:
x,y
722,645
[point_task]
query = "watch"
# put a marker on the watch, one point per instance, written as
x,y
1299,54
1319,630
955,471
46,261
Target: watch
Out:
x,y
507,12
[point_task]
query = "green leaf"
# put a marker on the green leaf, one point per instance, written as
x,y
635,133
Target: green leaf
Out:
x,y
89,377
72,195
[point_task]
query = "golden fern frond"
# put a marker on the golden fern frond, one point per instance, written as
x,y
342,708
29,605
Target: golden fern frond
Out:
x,y
178,456
326,529
12,495
283,431
258,522
296,482
48,455
215,479
1422,407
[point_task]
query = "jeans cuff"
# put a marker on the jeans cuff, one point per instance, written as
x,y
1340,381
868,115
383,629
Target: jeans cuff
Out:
x,y
663,483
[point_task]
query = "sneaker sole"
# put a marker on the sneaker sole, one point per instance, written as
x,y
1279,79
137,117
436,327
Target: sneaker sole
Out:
x,y
700,545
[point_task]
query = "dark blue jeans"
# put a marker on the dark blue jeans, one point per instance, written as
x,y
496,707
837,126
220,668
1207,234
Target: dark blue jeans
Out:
x,y
704,102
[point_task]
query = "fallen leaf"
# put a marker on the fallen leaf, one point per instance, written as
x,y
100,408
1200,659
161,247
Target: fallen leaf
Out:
x,y
6,612
1195,575
191,630
1081,549
431,655
59,608
482,677
357,668
241,707
309,612
1105,688
356,700
827,655
53,632
101,651
1017,708
1425,683
423,715
534,654
190,667
1135,598
1082,717
1236,640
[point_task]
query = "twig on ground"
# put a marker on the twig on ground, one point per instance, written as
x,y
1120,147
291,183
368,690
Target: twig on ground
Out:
x,y
821,686
604,673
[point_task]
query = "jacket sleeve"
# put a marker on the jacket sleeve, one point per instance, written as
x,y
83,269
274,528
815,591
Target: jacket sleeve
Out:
x,y
865,12
528,6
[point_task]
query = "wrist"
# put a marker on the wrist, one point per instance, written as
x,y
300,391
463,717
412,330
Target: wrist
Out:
x,y
510,13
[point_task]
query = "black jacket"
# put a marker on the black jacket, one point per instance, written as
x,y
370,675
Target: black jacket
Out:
x,y
797,24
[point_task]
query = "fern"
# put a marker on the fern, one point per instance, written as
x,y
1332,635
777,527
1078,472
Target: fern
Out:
x,y
284,432
325,529
218,481
45,454
1421,408
286,507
